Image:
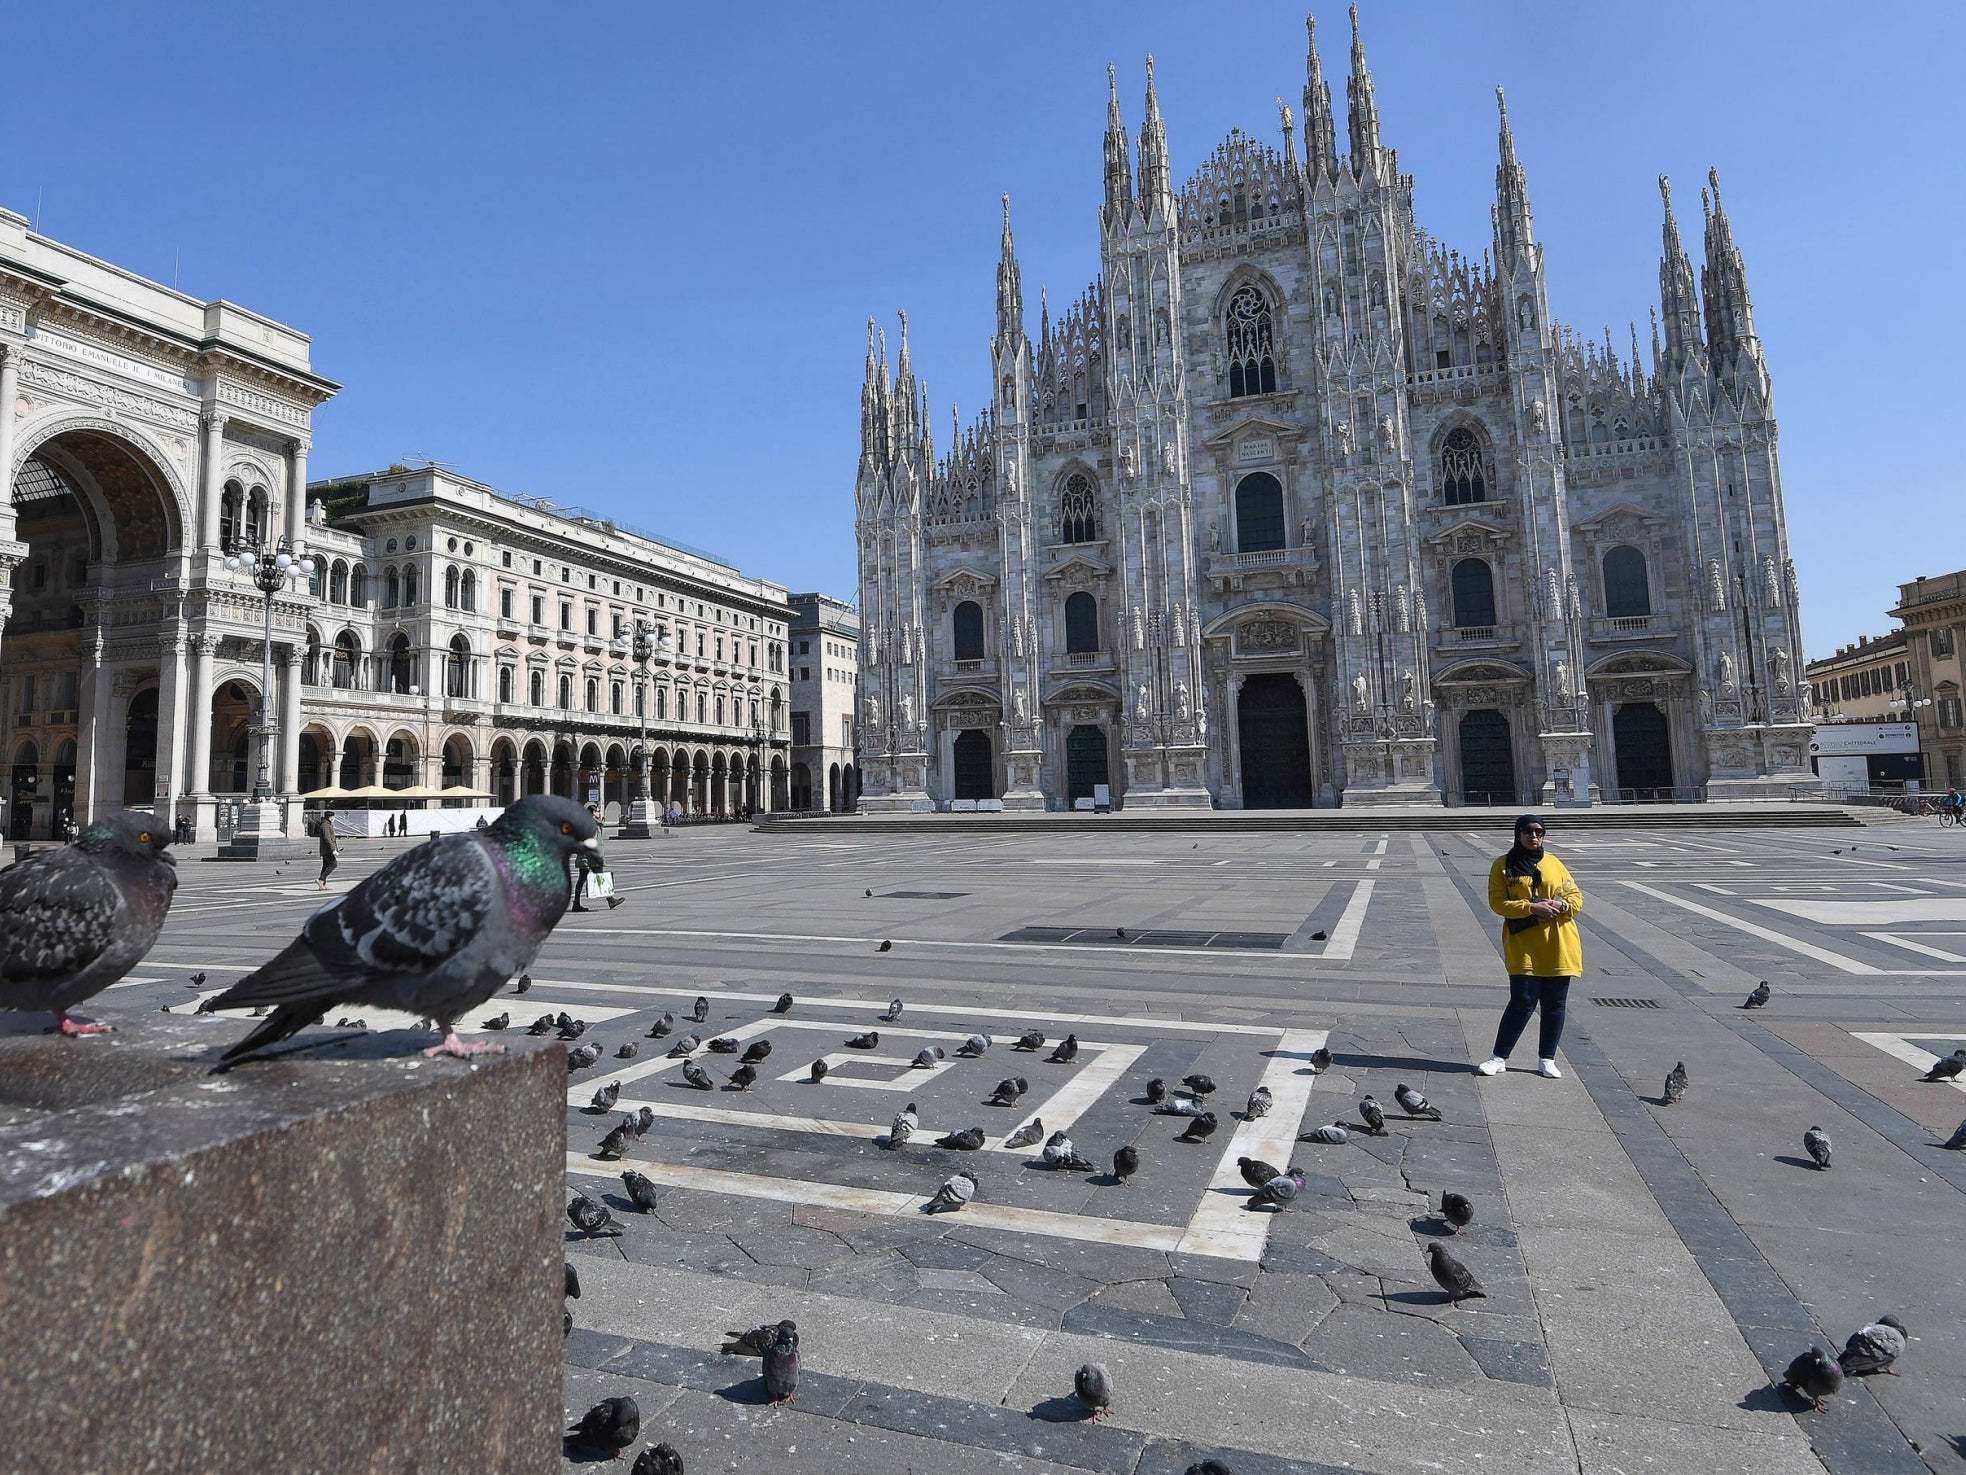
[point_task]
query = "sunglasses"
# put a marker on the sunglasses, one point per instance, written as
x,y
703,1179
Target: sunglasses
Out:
x,y
1533,831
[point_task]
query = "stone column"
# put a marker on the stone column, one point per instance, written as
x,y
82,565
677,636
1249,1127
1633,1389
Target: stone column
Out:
x,y
170,718
9,392
93,718
211,486
287,778
296,488
198,724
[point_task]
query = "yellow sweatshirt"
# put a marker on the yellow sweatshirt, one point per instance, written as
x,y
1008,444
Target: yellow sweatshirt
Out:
x,y
1551,949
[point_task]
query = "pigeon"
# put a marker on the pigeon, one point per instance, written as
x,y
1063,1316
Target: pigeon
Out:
x,y
868,893
198,978
1320,1060
958,1191
524,985
1676,1084
75,920
927,1059
892,1012
967,1140
1199,1085
1332,1134
972,1047
1452,1276
1320,936
582,1056
573,1282
1255,1172
628,1051
1120,933
1008,1090
658,1459
756,1341
903,1126
573,1029
697,1076
1816,1141
1260,1102
685,1046
1943,1070
434,932
641,1192
617,1140
1061,1156
605,1098
755,1052
1094,1387
742,1079
540,1026
207,1006
498,1021
1815,1376
1200,1129
563,1020
819,1068
1372,1115
591,1218
1126,1162
1206,1467
1031,1132
869,1041
783,1006
644,1119
1875,1348
885,947
1178,1106
1156,1091
610,1425
700,1010
1278,1192
723,1045
1958,1138
1457,1209
662,1027
782,1365
1414,1104
1066,1053
1759,998
1030,1040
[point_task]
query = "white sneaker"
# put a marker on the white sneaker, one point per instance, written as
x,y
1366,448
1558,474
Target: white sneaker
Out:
x,y
1548,1068
1494,1065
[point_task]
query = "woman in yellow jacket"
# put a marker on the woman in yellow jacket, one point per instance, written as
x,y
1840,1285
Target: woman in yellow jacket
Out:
x,y
1538,901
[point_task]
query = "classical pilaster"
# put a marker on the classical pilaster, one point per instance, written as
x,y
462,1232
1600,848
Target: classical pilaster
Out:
x,y
296,488
171,693
198,720
211,489
9,392
91,784
287,781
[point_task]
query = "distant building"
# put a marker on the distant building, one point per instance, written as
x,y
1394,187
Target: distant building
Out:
x,y
1864,682
1933,612
825,678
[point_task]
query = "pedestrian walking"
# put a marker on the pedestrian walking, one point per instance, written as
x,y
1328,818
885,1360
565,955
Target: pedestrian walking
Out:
x,y
1537,899
329,858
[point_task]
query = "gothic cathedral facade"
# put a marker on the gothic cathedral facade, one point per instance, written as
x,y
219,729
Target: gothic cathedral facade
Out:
x,y
1295,505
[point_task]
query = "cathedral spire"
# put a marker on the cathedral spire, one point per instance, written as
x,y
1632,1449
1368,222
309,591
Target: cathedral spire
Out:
x,y
1724,284
1515,235
1677,302
904,390
1119,172
1156,185
1320,133
872,390
1364,108
1010,291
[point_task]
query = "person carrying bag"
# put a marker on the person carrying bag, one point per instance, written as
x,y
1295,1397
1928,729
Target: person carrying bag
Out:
x,y
1538,901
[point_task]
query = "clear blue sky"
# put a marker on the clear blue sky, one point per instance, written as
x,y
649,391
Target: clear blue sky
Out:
x,y
622,254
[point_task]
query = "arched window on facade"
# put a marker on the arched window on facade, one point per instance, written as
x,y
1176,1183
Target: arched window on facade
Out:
x,y
457,668
1474,594
1078,510
358,587
505,683
536,688
231,514
1463,468
347,660
409,584
391,589
566,693
967,621
593,695
450,587
400,665
1259,513
661,702
255,529
1627,590
310,669
1081,623
467,592
720,709
1252,350
614,698
338,583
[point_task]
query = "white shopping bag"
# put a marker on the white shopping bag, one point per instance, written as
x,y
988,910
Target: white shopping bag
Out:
x,y
600,885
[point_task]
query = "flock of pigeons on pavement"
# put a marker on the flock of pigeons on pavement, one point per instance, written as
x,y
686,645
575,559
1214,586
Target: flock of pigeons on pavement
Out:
x,y
438,930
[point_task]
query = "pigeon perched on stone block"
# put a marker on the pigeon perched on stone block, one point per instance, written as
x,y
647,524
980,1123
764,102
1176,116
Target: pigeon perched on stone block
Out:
x,y
758,1340
1008,1090
1452,1276
1759,998
1414,1104
1278,1192
641,1192
1676,1084
685,1046
1126,1162
755,1052
697,1076
1457,1209
435,932
1816,1142
75,920
658,1459
1031,1039
700,1010
1066,1053
1332,1134
956,1193
1031,1132
783,1006
905,1124
1373,1115
818,1073
592,1218
1093,1387
1200,1129
782,1365
892,1012
604,1099
1875,1348
1255,1172
1156,1091
723,1045
1260,1102
1948,1068
967,1140
927,1059
1815,1376
610,1426
972,1047
869,1041
742,1079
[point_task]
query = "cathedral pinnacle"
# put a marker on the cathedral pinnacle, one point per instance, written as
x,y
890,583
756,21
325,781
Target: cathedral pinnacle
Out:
x,y
1010,292
1364,108
1289,136
1515,235
1678,304
1724,284
1119,172
1320,133
1156,184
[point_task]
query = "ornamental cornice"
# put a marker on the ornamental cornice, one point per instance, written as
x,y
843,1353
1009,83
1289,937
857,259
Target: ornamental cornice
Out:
x,y
113,398
244,397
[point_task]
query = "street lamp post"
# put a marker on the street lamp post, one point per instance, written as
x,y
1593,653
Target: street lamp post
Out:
x,y
272,564
759,736
652,642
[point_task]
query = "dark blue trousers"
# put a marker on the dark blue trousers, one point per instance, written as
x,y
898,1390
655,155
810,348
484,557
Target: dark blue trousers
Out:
x,y
1525,993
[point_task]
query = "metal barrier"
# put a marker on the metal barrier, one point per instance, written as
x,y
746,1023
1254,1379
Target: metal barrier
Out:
x,y
1690,794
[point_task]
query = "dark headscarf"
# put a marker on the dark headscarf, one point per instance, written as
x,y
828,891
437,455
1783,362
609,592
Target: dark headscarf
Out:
x,y
1521,862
